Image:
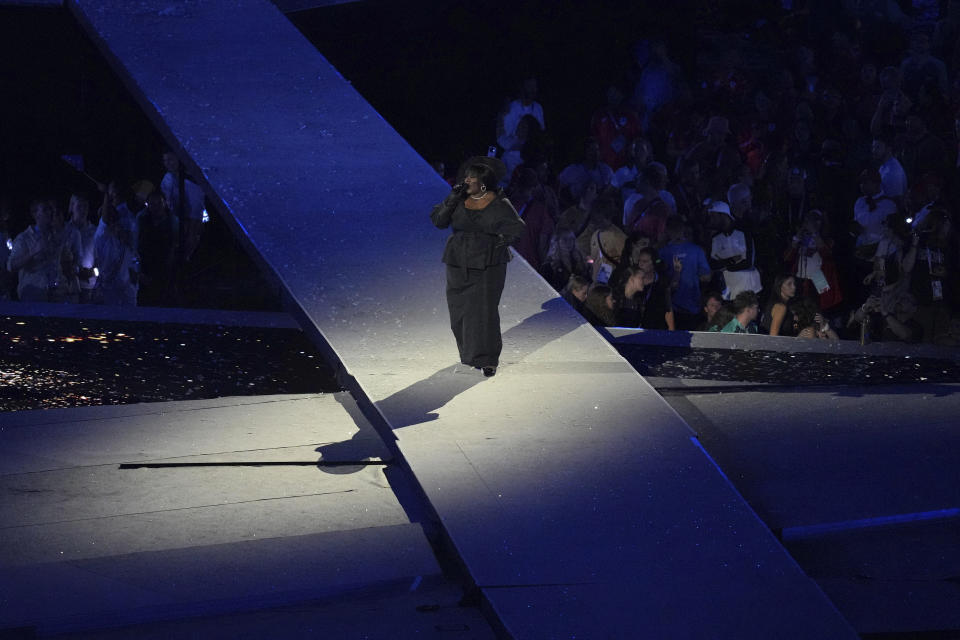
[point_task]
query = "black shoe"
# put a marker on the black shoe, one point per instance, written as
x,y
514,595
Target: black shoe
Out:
x,y
489,372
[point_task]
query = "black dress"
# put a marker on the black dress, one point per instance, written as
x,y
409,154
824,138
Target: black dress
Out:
x,y
476,256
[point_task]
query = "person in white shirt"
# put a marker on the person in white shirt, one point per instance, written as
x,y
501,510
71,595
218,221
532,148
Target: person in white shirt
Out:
x,y
893,178
871,211
38,255
732,251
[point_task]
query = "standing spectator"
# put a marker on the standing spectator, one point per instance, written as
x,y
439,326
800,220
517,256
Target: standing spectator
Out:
x,y
535,241
528,131
643,299
660,82
920,66
116,259
625,178
745,308
811,261
731,252
893,179
125,217
38,255
923,152
158,242
718,158
526,104
81,232
7,281
893,104
185,200
614,126
647,210
575,177
686,268
871,211
930,265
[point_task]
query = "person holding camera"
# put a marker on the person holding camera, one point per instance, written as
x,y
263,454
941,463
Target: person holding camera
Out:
x,y
484,225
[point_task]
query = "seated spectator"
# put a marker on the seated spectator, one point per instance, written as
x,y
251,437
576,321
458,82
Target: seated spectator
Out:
x,y
614,126
116,259
777,319
601,305
810,322
709,317
184,198
538,225
643,299
38,255
158,243
80,232
686,268
810,257
575,293
745,309
732,251
564,261
575,177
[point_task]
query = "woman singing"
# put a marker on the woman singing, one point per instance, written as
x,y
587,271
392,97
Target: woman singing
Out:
x,y
484,224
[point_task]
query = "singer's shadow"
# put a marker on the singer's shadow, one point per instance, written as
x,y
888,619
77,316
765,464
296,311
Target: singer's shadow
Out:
x,y
417,403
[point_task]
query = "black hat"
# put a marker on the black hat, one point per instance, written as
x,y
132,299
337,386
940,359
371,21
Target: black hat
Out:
x,y
494,164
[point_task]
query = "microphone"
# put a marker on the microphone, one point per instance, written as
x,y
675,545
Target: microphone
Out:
x,y
458,188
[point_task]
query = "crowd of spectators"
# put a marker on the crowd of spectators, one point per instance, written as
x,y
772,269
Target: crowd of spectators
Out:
x,y
802,180
127,247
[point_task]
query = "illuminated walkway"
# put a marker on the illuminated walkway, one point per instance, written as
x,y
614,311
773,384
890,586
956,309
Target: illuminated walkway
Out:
x,y
575,497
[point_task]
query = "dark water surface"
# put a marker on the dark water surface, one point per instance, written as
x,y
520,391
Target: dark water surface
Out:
x,y
55,362
794,369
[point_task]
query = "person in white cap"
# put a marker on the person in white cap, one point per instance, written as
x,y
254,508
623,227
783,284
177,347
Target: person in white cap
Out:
x,y
732,252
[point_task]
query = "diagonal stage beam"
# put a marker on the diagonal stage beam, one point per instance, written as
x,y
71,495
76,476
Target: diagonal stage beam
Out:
x,y
574,496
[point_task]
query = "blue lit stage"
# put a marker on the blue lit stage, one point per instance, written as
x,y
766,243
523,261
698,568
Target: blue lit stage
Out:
x,y
576,498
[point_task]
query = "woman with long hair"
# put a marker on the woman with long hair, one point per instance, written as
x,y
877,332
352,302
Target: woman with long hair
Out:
x,y
775,319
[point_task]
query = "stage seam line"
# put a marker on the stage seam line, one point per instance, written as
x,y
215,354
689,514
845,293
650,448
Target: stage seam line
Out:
x,y
199,506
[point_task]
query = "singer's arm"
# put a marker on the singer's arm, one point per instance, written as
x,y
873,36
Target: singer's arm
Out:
x,y
442,213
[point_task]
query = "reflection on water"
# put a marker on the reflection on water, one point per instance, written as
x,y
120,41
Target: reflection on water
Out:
x,y
55,362
786,368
